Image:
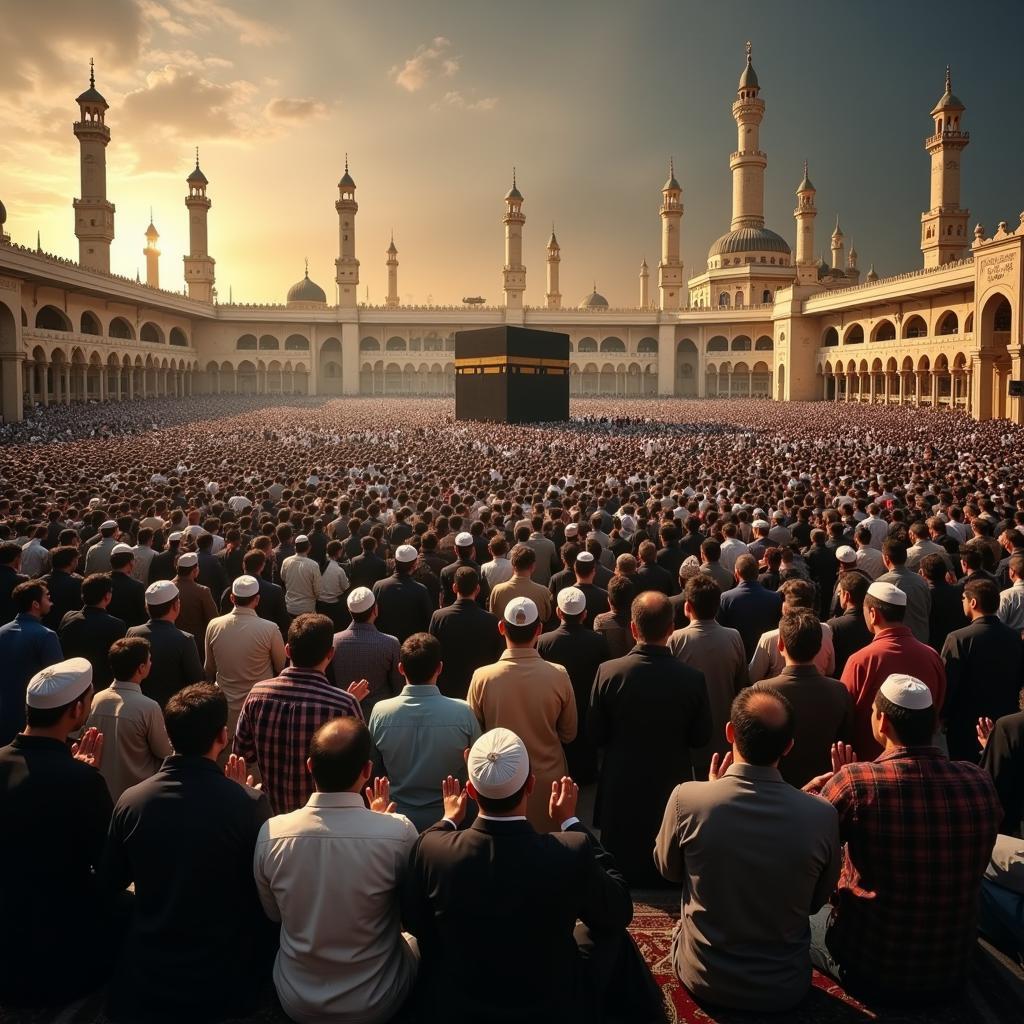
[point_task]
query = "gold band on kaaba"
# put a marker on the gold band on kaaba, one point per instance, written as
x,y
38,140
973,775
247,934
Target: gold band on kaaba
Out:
x,y
511,364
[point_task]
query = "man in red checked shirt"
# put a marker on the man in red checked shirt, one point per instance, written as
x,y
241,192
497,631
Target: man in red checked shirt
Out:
x,y
919,831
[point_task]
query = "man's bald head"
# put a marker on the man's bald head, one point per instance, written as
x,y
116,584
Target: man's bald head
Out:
x,y
762,725
338,755
653,616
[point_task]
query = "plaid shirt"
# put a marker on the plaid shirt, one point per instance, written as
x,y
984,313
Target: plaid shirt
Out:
x,y
276,724
919,830
363,652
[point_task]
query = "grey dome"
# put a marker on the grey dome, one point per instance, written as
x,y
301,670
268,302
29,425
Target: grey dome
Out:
x,y
197,176
3,214
749,240
306,291
595,300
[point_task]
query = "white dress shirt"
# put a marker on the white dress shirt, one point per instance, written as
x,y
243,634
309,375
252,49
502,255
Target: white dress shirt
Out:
x,y
330,873
301,578
1011,606
333,583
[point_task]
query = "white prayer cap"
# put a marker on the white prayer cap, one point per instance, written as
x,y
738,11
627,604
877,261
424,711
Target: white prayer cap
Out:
x,y
906,692
118,549
161,592
93,502
195,530
521,611
888,593
628,524
572,600
759,512
585,557
360,600
778,515
760,524
245,586
301,539
464,540
187,560
175,537
498,764
406,553
108,525
846,554
59,684
571,529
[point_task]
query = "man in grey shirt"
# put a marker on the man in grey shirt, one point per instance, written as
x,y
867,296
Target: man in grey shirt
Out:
x,y
919,594
747,839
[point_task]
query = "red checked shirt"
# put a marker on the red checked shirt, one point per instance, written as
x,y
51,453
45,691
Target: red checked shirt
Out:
x,y
276,724
919,830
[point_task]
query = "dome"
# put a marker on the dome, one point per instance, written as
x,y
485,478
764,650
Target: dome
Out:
x,y
594,301
871,275
948,101
805,185
513,193
306,291
823,270
91,95
346,180
3,214
749,240
197,176
748,80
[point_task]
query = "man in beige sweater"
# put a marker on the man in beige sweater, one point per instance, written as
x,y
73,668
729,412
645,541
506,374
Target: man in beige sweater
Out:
x,y
524,561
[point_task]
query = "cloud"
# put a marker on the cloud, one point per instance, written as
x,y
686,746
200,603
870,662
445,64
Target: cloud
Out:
x,y
204,15
295,108
458,101
429,60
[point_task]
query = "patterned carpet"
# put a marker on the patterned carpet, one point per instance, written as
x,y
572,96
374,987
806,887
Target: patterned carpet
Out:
x,y
995,995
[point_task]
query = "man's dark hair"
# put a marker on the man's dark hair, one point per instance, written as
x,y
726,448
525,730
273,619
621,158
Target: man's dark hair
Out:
x,y
653,616
194,717
1017,565
9,553
310,639
798,593
620,594
121,559
933,568
63,557
466,580
895,550
26,594
854,584
985,592
801,634
339,751
762,720
914,727
127,656
95,587
420,657
746,568
712,549
704,594
523,557
253,561
971,557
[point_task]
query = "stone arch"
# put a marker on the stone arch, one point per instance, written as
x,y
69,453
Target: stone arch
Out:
x,y
884,330
392,379
11,382
90,323
395,344
179,337
50,318
830,337
613,344
120,328
969,323
247,343
591,378
606,381
330,380
718,344
947,323
369,345
853,335
741,343
687,361
296,343
269,343
764,344
246,377
587,345
649,346
914,326
151,332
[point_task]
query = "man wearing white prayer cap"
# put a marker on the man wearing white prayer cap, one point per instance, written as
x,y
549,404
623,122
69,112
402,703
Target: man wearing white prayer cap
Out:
x,y
921,827
580,650
55,809
404,606
97,557
465,552
530,696
300,576
894,650
242,649
197,608
364,653
523,892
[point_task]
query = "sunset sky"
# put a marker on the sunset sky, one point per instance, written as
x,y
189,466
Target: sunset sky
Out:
x,y
434,103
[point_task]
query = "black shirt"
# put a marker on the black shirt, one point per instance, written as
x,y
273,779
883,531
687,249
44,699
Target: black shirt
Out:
x,y
89,633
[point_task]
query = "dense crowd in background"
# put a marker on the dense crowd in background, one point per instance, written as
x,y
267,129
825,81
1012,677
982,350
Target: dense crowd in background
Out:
x,y
306,691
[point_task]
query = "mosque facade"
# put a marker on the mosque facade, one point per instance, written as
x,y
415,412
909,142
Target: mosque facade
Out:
x,y
759,320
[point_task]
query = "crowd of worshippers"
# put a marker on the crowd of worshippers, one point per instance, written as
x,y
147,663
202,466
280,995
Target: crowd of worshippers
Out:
x,y
325,726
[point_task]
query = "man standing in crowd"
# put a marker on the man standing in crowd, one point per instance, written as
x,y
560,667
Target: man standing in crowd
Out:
x,y
363,653
743,839
849,630
300,576
1011,600
196,607
132,724
468,634
613,624
797,595
533,698
521,585
64,585
748,607
403,604
97,558
198,946
919,597
90,632
420,736
241,648
465,549
127,594
918,831
648,712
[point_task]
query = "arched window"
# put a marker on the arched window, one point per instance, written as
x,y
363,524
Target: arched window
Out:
x,y
269,343
369,345
723,300
647,345
587,345
766,295
247,342
178,336
296,343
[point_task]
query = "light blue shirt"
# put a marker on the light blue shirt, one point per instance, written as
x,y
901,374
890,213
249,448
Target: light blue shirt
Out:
x,y
419,738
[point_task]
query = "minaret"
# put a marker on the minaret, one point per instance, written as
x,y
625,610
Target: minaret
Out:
x,y
748,162
645,286
94,216
347,264
152,254
805,212
944,227
554,296
851,262
199,276
837,246
514,273
392,300
670,269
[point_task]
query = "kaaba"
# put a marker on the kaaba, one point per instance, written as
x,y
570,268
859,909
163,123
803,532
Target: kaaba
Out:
x,y
511,375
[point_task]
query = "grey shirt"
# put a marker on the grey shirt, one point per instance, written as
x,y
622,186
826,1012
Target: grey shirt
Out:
x,y
919,599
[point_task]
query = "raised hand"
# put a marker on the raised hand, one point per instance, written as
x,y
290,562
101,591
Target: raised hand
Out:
x,y
359,689
842,754
984,731
454,798
564,796
379,795
234,769
719,765
89,748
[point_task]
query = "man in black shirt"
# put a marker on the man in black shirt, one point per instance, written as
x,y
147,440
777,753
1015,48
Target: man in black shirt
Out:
x,y
88,633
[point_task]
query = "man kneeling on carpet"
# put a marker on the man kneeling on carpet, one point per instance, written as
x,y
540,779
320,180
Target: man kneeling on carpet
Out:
x,y
516,925
756,857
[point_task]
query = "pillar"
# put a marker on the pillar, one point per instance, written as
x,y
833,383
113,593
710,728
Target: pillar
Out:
x,y
871,388
131,384
936,381
12,394
888,386
103,383
31,367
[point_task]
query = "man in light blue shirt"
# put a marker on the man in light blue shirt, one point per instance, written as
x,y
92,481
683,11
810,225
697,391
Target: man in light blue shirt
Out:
x,y
419,737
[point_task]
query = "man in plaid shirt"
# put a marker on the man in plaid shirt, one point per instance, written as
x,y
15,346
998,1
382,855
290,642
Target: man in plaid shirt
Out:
x,y
280,715
919,831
